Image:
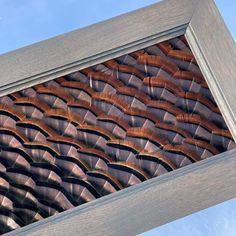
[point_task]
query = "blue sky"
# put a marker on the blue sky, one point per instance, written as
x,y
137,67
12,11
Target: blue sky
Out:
x,y
23,22
219,220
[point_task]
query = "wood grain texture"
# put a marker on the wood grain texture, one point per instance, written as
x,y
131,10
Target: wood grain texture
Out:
x,y
85,47
215,51
149,204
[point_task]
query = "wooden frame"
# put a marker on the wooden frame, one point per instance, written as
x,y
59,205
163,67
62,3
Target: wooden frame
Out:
x,y
173,195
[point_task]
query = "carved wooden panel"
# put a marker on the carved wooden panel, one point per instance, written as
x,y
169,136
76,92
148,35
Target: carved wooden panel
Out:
x,y
101,129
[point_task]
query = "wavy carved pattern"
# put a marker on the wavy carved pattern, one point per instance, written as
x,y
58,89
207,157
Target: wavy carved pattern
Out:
x,y
91,133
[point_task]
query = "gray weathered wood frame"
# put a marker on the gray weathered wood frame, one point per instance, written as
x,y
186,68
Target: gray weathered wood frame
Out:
x,y
173,195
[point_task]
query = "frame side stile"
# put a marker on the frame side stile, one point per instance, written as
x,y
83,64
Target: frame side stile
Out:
x,y
215,52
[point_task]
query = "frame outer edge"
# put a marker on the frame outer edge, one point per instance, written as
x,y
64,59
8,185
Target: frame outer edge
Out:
x,y
43,61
